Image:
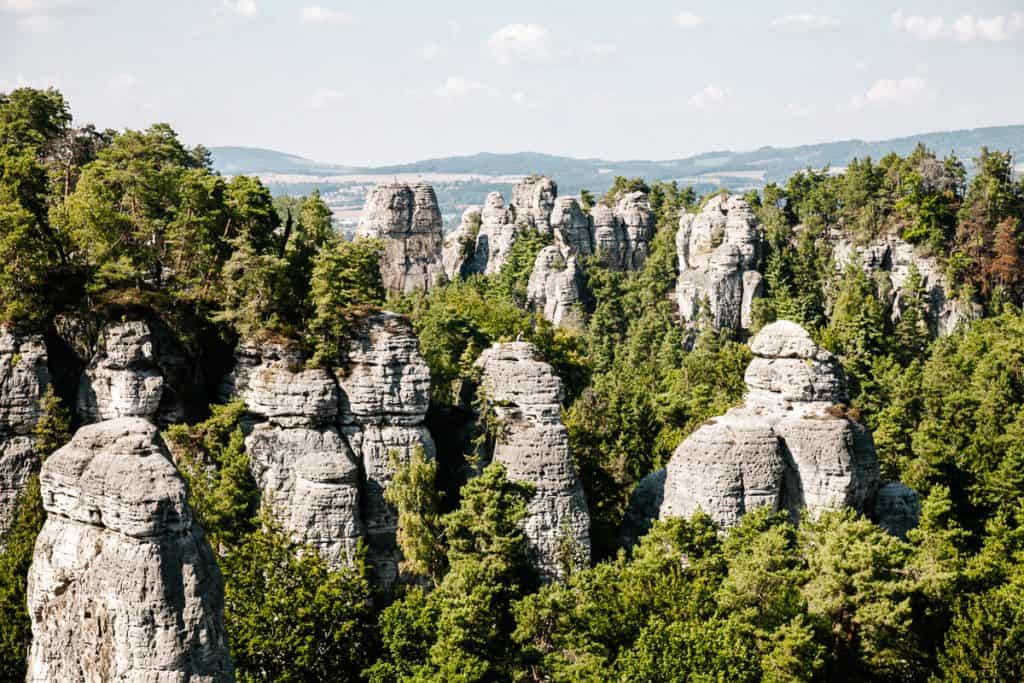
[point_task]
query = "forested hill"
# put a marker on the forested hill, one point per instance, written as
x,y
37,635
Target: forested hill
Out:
x,y
728,168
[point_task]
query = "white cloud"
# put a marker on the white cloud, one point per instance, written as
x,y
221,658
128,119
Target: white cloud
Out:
x,y
801,111
323,98
529,43
241,8
805,22
37,16
888,92
709,97
315,15
457,87
687,19
430,51
965,28
121,84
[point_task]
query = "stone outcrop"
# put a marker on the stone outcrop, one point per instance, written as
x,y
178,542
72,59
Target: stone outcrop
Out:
x,y
718,249
497,234
621,235
571,227
788,447
385,392
24,379
555,288
123,584
460,246
889,261
409,222
525,397
897,508
532,200
322,440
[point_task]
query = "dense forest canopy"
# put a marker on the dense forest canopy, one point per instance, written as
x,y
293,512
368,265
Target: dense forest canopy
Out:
x,y
104,223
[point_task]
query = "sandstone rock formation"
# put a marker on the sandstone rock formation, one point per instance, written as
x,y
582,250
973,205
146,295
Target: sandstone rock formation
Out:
x,y
525,396
408,220
460,246
123,584
497,234
532,200
555,288
385,392
23,381
897,508
622,235
889,260
571,227
789,446
718,251
320,449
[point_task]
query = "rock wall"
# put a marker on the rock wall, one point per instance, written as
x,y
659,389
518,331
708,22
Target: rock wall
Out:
x,y
525,395
719,249
622,234
321,443
408,220
555,288
24,379
533,199
788,447
123,586
459,247
497,234
889,260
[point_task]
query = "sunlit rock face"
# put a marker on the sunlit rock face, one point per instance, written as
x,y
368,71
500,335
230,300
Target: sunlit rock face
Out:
x,y
533,198
555,288
123,584
321,444
497,234
407,219
525,396
24,379
718,251
460,246
890,263
789,446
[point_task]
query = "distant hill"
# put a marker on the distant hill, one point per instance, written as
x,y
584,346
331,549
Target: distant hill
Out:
x,y
724,168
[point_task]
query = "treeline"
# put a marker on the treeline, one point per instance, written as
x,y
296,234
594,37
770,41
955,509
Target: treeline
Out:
x,y
93,219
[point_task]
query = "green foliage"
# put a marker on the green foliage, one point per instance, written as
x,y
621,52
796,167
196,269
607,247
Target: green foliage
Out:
x,y
510,282
345,285
211,457
53,429
413,492
291,618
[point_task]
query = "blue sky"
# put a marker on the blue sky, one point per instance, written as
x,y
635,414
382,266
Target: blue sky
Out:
x,y
361,82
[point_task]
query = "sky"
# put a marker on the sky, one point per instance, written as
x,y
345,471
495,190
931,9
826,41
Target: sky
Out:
x,y
377,82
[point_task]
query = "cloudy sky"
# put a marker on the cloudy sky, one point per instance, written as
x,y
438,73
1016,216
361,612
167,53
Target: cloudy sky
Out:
x,y
374,81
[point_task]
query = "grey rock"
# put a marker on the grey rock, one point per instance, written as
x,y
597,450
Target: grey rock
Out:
x,y
888,261
24,379
644,504
788,447
123,584
409,222
571,227
498,231
718,251
555,288
609,236
123,377
525,395
460,246
532,200
634,214
897,508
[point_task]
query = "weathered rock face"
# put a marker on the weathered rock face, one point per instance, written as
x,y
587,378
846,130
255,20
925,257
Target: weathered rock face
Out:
x,y
622,235
460,246
409,221
718,251
123,584
497,234
525,395
571,227
787,447
123,378
532,200
385,392
897,508
321,449
889,261
555,288
23,381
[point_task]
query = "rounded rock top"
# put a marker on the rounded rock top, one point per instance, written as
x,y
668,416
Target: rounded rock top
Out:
x,y
786,339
